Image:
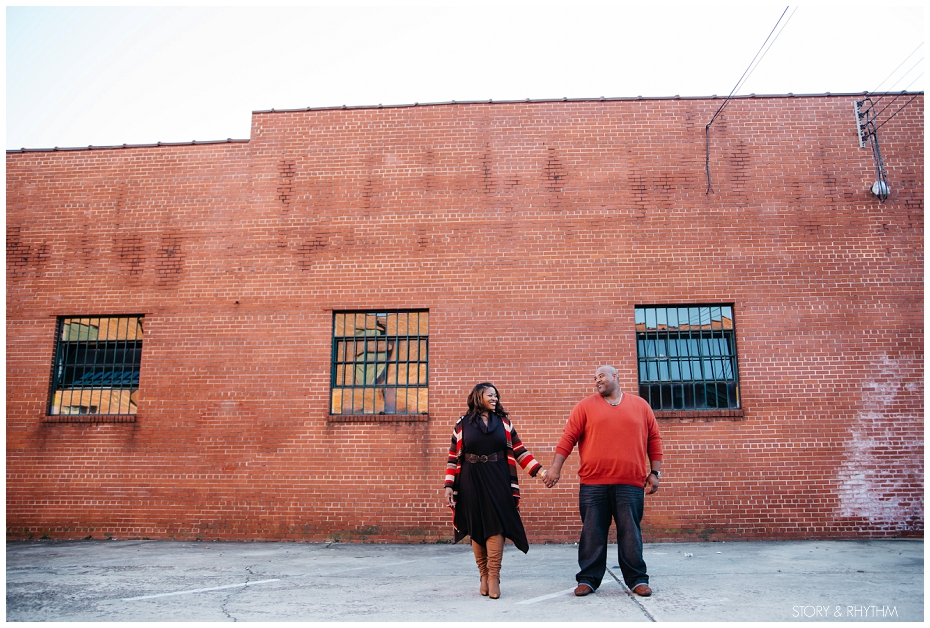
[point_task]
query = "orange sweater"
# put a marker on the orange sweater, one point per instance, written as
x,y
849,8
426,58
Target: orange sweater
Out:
x,y
615,442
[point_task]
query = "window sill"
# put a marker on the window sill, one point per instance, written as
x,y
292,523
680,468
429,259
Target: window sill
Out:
x,y
378,418
694,416
57,419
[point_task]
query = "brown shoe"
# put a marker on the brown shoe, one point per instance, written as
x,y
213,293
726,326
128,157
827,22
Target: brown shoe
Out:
x,y
583,589
643,590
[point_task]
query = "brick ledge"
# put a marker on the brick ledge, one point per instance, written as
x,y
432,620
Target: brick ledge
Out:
x,y
67,419
688,416
379,418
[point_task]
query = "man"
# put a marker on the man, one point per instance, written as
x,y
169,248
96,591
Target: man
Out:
x,y
616,433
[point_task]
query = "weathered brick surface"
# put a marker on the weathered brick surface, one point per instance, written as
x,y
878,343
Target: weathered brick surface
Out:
x,y
530,231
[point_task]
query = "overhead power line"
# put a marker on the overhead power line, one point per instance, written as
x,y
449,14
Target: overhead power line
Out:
x,y
896,97
898,68
743,77
739,83
888,91
897,112
756,63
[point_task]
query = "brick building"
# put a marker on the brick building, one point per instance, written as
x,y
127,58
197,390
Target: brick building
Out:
x,y
271,339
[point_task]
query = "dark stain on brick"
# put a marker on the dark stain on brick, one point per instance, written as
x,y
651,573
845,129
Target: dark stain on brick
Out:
x,y
285,190
371,185
17,253
131,253
487,174
22,258
555,178
169,262
309,250
739,162
423,238
429,174
639,195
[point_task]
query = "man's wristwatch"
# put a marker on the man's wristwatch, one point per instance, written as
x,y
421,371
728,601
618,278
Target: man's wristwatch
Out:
x,y
655,473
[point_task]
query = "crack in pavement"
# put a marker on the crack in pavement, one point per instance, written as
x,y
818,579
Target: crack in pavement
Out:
x,y
632,596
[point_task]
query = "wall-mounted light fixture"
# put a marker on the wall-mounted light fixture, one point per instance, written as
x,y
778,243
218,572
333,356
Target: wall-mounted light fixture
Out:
x,y
880,189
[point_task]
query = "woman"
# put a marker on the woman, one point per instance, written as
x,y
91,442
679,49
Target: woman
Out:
x,y
481,483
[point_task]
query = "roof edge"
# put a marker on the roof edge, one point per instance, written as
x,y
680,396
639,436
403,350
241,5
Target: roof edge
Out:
x,y
445,104
566,99
59,149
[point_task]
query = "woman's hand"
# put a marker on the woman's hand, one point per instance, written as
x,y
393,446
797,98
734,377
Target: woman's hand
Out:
x,y
554,472
551,478
449,498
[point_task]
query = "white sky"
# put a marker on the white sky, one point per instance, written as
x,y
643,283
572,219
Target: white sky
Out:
x,y
112,75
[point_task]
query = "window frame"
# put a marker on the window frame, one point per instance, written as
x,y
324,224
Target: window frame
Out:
x,y
697,336
96,381
389,396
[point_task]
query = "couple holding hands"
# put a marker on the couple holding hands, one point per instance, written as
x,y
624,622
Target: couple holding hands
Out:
x,y
621,455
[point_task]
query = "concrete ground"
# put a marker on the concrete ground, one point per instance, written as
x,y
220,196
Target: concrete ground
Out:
x,y
170,581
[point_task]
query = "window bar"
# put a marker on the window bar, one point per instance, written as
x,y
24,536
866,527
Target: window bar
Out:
x,y
414,355
396,360
124,375
121,357
83,354
96,368
72,345
55,397
355,341
101,374
94,358
80,361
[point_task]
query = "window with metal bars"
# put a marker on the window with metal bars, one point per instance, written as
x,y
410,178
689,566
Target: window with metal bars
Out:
x,y
380,362
96,365
687,357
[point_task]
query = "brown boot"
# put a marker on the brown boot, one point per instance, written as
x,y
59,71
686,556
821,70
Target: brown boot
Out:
x,y
481,558
495,547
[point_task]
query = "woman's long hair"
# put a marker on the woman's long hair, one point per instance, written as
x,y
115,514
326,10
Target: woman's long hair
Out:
x,y
474,402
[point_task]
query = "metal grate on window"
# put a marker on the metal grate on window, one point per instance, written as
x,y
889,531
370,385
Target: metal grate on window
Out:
x,y
96,365
687,357
380,362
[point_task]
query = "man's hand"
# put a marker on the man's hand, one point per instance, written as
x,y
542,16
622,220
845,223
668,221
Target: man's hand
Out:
x,y
552,477
652,484
553,472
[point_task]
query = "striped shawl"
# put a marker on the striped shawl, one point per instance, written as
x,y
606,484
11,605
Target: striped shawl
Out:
x,y
516,453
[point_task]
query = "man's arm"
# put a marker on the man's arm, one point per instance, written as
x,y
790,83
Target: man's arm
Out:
x,y
652,481
572,432
654,452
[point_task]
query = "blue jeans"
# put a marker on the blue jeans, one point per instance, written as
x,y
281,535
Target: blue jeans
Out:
x,y
599,503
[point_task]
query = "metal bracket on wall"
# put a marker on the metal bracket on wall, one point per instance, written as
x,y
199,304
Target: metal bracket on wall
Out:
x,y
865,125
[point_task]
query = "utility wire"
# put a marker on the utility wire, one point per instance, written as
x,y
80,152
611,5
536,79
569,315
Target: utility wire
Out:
x,y
875,117
747,70
897,112
738,83
897,68
913,67
888,91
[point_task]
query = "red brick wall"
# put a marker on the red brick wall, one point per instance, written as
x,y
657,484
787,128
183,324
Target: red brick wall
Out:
x,y
530,231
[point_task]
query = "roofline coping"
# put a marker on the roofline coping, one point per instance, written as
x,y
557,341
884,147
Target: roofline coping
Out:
x,y
59,149
441,104
566,99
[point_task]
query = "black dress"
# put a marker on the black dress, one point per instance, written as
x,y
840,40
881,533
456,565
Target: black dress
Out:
x,y
485,505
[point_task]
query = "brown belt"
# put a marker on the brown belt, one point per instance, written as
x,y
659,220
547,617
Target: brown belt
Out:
x,y
501,455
